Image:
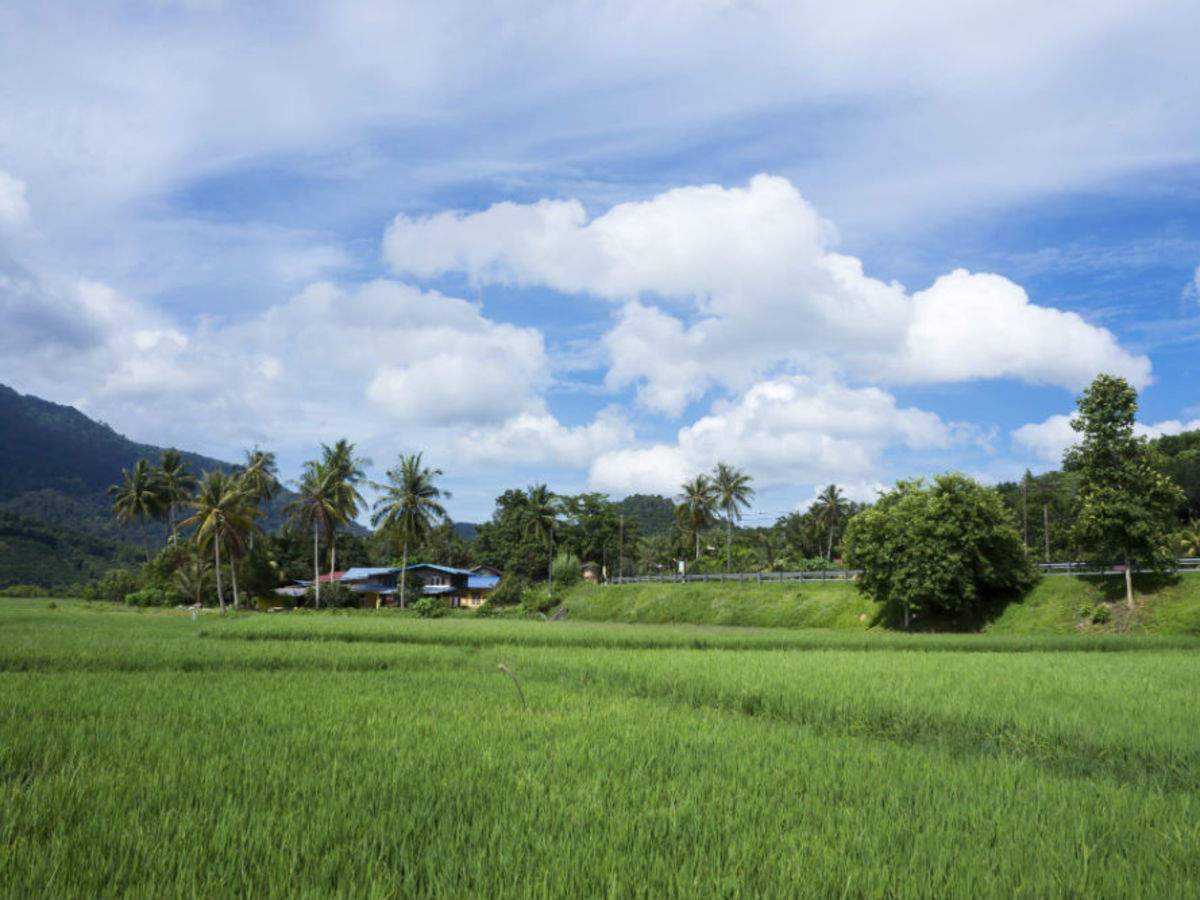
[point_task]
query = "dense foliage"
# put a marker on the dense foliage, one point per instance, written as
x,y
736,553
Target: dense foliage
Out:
x,y
949,548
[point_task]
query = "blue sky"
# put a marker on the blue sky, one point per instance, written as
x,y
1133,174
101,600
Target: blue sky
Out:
x,y
603,245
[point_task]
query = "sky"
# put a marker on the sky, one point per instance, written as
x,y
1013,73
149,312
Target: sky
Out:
x,y
604,245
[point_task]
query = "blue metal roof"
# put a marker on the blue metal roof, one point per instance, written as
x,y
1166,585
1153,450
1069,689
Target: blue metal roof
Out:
x,y
361,572
374,588
450,569
437,588
483,582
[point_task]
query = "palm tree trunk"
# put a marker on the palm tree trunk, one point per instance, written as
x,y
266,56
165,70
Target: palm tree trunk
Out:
x,y
697,545
170,524
316,567
728,541
403,572
233,575
550,572
217,553
145,540
332,559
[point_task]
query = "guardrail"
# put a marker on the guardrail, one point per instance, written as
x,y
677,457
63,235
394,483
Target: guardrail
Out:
x,y
1184,564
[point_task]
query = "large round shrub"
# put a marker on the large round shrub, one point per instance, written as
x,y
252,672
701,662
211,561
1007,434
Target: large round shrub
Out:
x,y
946,549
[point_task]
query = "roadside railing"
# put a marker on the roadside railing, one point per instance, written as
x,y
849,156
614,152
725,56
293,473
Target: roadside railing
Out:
x,y
1184,564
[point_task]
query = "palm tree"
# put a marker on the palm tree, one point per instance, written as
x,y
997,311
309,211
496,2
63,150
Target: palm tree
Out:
x,y
539,512
1189,539
176,481
408,506
694,511
770,551
194,576
830,509
259,473
317,507
223,515
733,492
138,498
346,472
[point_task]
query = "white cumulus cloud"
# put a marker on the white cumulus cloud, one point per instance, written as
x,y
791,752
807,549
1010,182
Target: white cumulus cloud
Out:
x,y
721,285
788,430
14,206
1050,439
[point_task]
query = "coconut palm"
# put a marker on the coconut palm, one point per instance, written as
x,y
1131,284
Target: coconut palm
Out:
x,y
194,576
138,498
540,510
695,507
176,481
408,506
732,491
1189,539
830,509
223,516
259,473
346,472
317,508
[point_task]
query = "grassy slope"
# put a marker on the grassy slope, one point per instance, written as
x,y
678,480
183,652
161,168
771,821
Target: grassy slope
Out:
x,y
1052,607
828,605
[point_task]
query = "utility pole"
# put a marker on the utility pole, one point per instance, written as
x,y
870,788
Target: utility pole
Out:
x,y
1046,528
621,549
1025,512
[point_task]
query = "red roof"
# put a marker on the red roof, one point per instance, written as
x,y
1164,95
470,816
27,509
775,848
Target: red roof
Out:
x,y
337,576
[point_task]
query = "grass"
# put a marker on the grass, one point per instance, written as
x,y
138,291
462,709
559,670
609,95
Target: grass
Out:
x,y
382,755
832,604
1055,605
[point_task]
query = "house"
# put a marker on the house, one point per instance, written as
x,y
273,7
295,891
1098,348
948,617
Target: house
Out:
x,y
462,588
377,585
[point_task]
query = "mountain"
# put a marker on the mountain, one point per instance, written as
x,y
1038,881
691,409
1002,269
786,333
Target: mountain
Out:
x,y
53,556
56,465
466,530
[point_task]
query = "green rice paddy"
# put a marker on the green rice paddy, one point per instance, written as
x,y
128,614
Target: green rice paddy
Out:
x,y
379,755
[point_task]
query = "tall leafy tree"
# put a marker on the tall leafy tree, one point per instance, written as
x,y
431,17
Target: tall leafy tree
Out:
x,y
223,516
1126,504
138,498
540,516
695,507
176,481
732,493
317,508
408,506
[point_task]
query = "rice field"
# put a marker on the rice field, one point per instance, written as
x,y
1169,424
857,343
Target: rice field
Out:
x,y
380,755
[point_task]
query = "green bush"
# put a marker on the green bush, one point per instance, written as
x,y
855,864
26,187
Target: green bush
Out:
x,y
566,570
151,596
946,549
431,607
510,591
115,584
334,595
24,590
1101,614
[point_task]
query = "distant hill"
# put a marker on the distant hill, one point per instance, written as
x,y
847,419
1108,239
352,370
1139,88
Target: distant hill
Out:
x,y
466,530
32,552
656,514
56,464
